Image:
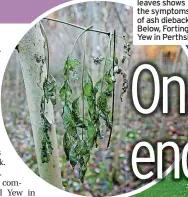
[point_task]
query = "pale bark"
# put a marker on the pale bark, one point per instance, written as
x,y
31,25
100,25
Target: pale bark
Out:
x,y
31,51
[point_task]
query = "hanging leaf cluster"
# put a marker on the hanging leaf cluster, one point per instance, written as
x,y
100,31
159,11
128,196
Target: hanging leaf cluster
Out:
x,y
77,150
49,88
78,146
82,131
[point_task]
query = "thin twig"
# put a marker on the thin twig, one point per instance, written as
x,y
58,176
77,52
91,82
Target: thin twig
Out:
x,y
87,29
83,71
77,26
113,96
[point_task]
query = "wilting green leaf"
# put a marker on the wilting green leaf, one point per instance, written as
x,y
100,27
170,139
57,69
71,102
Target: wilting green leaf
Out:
x,y
49,88
82,148
103,109
83,159
72,63
110,85
91,106
109,91
105,116
88,89
73,156
62,93
102,102
91,129
97,124
68,141
46,145
68,120
96,86
83,155
66,144
65,91
108,78
92,134
76,114
75,105
75,109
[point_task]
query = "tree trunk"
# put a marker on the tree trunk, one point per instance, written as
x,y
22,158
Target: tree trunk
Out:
x,y
31,51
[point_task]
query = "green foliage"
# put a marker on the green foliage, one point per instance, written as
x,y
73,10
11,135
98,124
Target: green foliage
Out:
x,y
96,86
77,151
70,65
68,120
49,87
77,148
102,101
76,114
68,141
46,149
92,134
78,144
88,89
46,145
65,92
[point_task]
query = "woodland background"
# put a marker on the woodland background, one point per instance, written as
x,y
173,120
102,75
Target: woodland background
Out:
x,y
109,171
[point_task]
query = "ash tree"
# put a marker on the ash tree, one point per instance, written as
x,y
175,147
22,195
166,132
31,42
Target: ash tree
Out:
x,y
82,114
